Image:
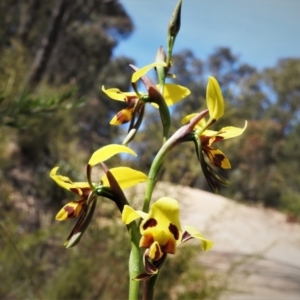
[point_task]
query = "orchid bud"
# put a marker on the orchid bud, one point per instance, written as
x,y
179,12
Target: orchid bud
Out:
x,y
174,24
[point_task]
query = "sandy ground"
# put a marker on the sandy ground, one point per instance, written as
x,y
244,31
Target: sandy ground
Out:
x,y
264,248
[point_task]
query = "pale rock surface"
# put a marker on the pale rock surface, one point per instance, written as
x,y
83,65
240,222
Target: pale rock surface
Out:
x,y
262,246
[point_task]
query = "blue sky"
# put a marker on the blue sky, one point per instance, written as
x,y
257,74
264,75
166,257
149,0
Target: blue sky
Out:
x,y
259,31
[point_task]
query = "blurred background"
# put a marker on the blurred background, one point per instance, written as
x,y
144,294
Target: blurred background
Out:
x,y
54,58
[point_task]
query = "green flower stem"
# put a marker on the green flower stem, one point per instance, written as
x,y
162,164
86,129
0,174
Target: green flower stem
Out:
x,y
171,42
133,230
163,107
161,74
155,167
179,136
166,120
134,261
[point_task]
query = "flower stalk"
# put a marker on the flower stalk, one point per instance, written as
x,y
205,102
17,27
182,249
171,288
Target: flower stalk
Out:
x,y
179,136
155,231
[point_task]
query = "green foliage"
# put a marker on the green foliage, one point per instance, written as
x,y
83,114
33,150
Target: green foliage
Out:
x,y
48,123
15,113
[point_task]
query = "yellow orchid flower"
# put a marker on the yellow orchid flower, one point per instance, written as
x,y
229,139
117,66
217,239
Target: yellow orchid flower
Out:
x,y
84,206
209,137
172,94
161,233
82,189
204,138
126,114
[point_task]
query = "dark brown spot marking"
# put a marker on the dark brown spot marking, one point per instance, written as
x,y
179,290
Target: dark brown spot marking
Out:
x,y
85,192
174,230
75,190
122,118
70,210
217,159
150,223
131,100
204,140
218,138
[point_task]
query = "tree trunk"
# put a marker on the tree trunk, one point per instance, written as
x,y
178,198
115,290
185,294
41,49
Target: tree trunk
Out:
x,y
27,19
47,45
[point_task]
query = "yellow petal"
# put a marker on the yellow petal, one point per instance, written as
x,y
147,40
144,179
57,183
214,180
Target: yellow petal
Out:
x,y
141,72
210,133
166,210
206,243
53,172
69,211
230,131
81,185
122,117
63,181
162,223
116,94
214,99
173,93
107,152
217,158
126,177
201,124
129,214
188,118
